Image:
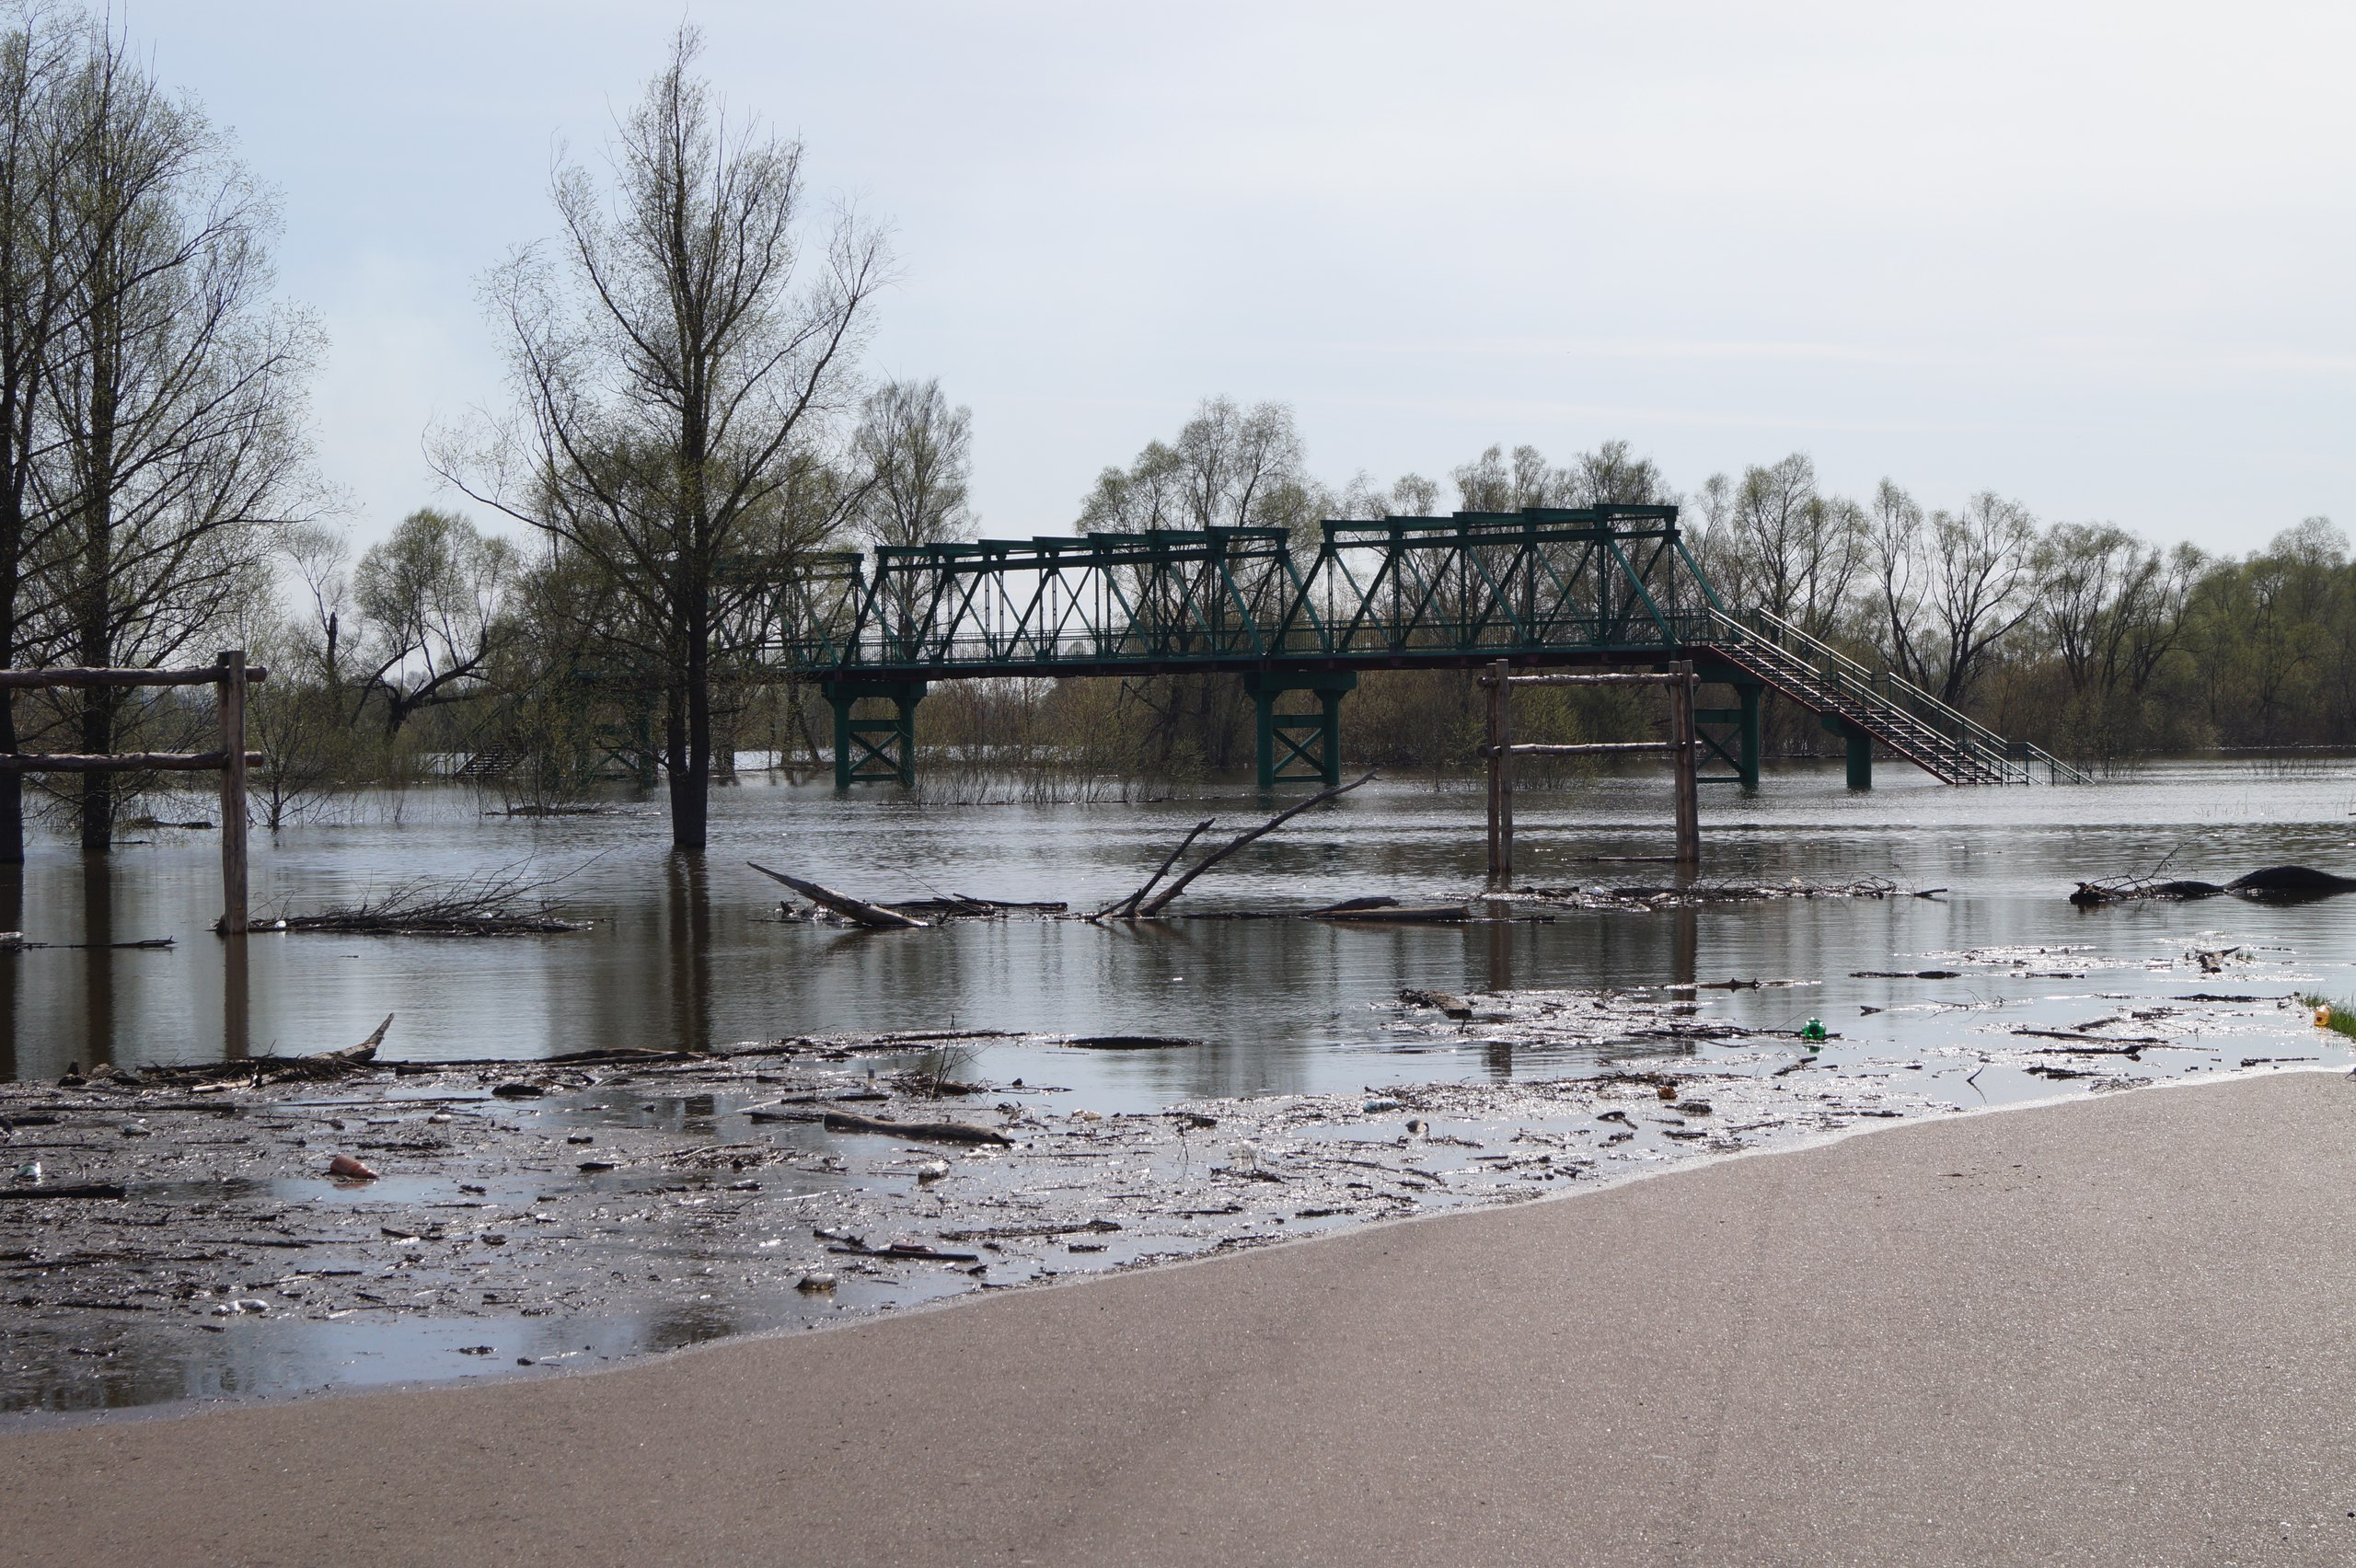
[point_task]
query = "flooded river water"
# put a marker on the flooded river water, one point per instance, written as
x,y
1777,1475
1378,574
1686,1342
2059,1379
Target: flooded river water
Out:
x,y
692,955
616,1214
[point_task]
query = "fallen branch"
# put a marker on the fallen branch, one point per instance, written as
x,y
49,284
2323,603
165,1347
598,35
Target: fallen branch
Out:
x,y
1396,914
1021,1233
903,1249
263,1069
1126,908
858,911
484,905
1163,901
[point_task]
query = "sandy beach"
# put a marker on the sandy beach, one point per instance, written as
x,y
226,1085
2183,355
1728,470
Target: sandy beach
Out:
x,y
2112,1330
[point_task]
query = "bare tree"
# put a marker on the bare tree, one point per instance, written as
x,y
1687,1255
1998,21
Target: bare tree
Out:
x,y
176,390
432,598
1612,474
914,451
1979,566
678,375
1229,467
1898,562
1797,550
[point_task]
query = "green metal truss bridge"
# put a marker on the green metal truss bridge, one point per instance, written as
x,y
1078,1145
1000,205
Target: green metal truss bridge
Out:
x,y
1611,585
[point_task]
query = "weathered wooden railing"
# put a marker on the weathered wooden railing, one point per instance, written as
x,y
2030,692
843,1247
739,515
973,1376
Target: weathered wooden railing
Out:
x,y
1501,749
228,676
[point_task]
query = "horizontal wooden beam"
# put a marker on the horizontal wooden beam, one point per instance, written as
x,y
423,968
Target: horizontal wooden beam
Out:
x,y
120,762
76,675
1593,748
1586,680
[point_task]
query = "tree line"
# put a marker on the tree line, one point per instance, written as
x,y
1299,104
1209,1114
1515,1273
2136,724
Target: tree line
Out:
x,y
689,417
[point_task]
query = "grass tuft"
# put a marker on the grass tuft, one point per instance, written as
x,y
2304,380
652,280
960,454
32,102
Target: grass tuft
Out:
x,y
2343,1013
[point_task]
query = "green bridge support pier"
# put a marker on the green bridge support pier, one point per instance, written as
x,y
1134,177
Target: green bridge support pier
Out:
x,y
1729,736
874,750
1299,745
1860,743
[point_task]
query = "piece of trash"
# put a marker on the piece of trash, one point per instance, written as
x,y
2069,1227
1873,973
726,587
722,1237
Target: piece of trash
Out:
x,y
2323,1015
1813,1030
814,1281
350,1170
28,1171
932,1171
1376,1107
580,1139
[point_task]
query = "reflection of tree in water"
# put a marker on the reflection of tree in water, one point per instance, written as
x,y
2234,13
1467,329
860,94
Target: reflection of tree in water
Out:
x,y
236,1007
97,965
689,919
12,918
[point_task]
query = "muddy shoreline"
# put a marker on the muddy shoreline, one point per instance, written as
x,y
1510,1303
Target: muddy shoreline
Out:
x,y
531,1217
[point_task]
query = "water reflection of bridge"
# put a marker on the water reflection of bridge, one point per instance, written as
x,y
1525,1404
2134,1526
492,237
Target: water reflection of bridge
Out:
x,y
1612,585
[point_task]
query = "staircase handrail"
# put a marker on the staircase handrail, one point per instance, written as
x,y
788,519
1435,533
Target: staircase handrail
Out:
x,y
1969,735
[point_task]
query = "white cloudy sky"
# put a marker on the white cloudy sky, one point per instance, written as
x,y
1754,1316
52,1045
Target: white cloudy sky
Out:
x,y
2094,256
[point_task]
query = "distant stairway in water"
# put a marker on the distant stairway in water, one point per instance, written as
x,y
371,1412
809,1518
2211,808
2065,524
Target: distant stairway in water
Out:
x,y
490,762
1939,740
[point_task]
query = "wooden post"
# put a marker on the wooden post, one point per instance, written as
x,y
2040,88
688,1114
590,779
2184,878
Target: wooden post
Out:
x,y
1490,755
230,687
1685,757
1501,776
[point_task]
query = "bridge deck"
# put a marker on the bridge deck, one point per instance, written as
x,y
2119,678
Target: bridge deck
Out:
x,y
1605,585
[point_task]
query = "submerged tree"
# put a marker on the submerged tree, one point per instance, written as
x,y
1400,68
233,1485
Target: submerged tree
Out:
x,y
680,371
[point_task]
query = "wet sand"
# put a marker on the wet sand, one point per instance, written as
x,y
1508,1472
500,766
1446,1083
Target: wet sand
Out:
x,y
2113,1331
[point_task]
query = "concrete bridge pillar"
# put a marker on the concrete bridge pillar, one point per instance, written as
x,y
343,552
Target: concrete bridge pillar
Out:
x,y
874,750
1299,746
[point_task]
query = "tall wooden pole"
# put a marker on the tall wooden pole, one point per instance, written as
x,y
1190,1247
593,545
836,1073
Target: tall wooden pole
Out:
x,y
1495,690
1501,775
231,686
1686,758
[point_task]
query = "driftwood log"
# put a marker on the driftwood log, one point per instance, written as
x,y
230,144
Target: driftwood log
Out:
x,y
858,911
2279,883
319,1065
923,1132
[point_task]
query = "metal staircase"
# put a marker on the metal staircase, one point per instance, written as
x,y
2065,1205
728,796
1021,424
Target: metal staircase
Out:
x,y
1948,744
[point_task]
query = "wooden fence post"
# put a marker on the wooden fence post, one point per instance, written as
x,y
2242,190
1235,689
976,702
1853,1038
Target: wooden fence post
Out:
x,y
1681,694
230,688
1501,776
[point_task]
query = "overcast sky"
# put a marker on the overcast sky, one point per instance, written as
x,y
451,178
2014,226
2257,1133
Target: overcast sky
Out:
x,y
2097,258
